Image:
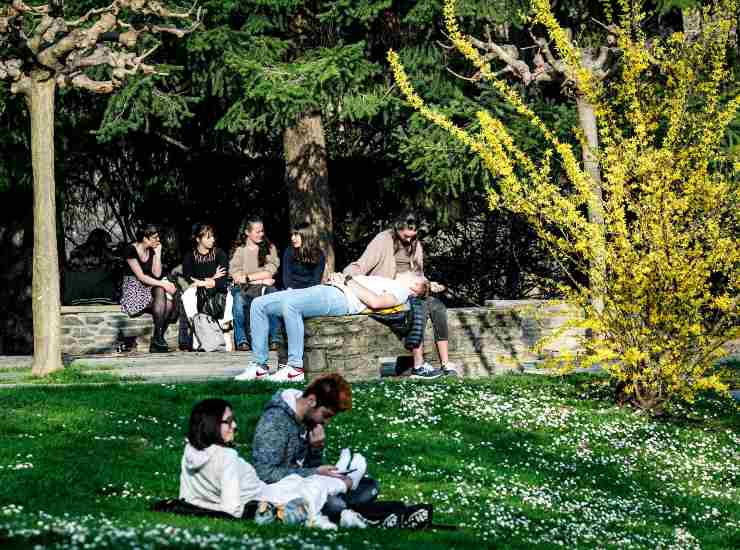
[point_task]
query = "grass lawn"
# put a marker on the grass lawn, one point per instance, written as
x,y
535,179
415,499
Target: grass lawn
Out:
x,y
513,462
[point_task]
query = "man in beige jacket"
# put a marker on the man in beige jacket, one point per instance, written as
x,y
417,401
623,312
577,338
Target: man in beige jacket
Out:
x,y
398,250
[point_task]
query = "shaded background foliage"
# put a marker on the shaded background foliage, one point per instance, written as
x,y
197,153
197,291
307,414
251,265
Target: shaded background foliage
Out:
x,y
204,141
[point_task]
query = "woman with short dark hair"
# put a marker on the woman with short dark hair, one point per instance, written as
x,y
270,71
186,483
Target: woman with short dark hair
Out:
x,y
143,288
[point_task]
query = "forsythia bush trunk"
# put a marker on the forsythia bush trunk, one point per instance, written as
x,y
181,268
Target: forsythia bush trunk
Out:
x,y
662,295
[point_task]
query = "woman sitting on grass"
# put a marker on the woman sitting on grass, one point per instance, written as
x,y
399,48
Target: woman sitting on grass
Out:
x,y
213,476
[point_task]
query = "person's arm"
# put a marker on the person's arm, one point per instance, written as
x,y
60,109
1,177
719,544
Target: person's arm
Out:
x,y
230,490
419,258
222,262
287,268
370,258
318,271
236,266
267,271
157,261
271,438
146,279
364,294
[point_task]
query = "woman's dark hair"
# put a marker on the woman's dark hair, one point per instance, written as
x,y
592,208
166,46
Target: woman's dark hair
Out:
x,y
147,231
332,391
200,229
241,240
406,220
204,428
309,251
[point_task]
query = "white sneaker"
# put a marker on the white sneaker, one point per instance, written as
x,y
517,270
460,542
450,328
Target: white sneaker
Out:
x,y
321,522
359,465
450,369
351,519
343,462
254,371
288,373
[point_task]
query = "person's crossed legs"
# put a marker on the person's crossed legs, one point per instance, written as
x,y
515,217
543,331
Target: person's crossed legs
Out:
x,y
293,306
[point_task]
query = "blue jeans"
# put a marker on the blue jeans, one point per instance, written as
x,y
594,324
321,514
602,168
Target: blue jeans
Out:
x,y
240,311
293,306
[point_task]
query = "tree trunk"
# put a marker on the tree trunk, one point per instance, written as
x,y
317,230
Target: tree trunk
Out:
x,y
307,177
47,349
691,18
587,120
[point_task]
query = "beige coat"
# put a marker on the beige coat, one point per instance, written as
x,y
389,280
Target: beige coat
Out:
x,y
379,258
246,261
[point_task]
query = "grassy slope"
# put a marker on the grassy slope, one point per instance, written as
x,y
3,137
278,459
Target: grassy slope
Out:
x,y
514,462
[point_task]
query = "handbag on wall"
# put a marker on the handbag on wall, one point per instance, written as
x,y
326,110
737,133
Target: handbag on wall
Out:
x,y
211,303
253,290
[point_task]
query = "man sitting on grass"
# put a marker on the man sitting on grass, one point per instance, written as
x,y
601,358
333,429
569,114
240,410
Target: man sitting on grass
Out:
x,y
343,295
289,440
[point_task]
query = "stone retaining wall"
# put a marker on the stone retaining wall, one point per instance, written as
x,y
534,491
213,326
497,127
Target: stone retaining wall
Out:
x,y
101,329
484,341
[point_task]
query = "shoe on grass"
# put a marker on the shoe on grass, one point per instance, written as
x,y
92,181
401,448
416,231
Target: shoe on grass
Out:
x,y
254,371
320,521
450,369
359,465
344,458
426,371
351,519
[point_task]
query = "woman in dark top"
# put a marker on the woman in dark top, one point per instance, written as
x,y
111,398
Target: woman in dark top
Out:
x,y
303,262
206,265
144,289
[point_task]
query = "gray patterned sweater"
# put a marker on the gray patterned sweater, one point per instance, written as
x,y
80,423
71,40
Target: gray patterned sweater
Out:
x,y
280,446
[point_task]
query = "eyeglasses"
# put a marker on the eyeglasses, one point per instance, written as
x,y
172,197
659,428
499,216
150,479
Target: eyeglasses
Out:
x,y
231,421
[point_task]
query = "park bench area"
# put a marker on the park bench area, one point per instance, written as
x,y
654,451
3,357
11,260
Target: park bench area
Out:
x,y
484,341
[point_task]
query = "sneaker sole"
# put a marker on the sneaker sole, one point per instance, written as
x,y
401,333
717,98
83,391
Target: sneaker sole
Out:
x,y
423,377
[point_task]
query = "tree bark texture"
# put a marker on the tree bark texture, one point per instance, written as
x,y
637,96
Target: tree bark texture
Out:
x,y
47,348
587,121
307,178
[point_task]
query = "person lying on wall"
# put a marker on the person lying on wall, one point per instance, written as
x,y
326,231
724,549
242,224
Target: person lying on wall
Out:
x,y
341,295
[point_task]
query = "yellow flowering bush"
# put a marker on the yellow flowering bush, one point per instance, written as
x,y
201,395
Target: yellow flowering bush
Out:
x,y
664,299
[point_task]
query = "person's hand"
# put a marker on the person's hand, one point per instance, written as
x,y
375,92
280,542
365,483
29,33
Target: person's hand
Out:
x,y
157,248
220,272
169,287
209,283
436,288
268,282
317,436
328,470
336,279
239,279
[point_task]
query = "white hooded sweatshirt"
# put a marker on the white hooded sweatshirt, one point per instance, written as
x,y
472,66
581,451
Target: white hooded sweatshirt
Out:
x,y
217,478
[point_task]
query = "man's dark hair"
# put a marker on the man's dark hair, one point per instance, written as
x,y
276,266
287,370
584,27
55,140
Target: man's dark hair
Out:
x,y
204,428
332,391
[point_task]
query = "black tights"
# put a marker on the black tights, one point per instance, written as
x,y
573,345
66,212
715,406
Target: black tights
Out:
x,y
163,311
